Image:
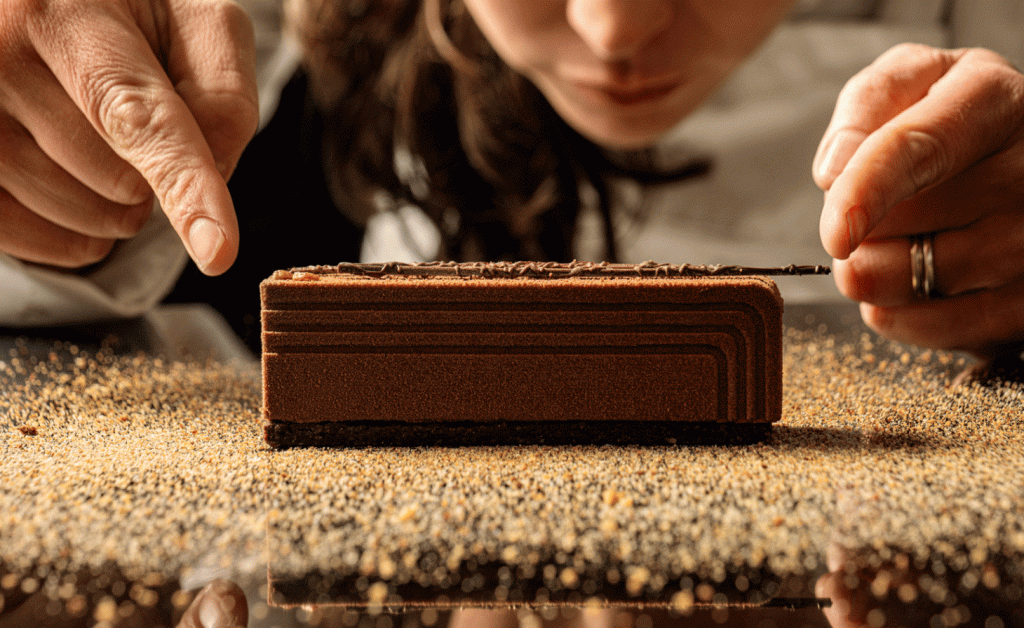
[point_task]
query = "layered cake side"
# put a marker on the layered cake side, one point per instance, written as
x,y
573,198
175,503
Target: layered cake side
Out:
x,y
439,354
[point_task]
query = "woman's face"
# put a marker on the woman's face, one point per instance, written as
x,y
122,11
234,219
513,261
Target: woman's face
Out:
x,y
622,72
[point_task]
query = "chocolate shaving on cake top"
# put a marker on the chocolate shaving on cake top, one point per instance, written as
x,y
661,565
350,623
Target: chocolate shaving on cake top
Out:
x,y
558,270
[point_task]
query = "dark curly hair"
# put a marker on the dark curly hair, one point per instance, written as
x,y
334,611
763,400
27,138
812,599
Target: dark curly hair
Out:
x,y
421,108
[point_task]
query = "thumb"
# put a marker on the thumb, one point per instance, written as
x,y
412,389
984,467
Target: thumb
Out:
x,y
221,604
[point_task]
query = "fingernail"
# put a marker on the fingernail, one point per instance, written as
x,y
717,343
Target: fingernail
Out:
x,y
205,239
224,170
843,145
856,226
820,587
215,607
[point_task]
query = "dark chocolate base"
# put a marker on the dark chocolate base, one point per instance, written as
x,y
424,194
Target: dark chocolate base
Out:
x,y
467,433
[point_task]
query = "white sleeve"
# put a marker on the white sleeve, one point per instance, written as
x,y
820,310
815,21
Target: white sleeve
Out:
x,y
140,271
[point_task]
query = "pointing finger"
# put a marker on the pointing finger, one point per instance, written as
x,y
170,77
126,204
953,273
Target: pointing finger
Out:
x,y
115,78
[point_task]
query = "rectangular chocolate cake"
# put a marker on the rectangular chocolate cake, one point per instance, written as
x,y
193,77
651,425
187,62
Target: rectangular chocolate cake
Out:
x,y
506,353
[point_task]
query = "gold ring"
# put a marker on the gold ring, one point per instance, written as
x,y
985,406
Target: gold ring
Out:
x,y
922,266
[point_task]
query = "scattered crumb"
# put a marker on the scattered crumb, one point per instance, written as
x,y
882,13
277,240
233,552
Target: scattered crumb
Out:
x,y
160,468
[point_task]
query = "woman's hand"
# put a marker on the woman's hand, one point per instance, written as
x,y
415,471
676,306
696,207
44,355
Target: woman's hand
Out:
x,y
104,103
927,141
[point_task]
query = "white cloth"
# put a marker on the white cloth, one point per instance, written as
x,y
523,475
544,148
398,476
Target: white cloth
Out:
x,y
758,206
131,281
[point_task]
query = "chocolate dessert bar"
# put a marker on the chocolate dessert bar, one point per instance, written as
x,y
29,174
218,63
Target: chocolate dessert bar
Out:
x,y
507,353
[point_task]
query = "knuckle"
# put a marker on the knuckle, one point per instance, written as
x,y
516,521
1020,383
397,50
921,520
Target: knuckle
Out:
x,y
247,117
176,186
234,27
984,56
30,10
126,114
27,7
231,13
991,79
908,60
233,21
870,86
999,89
895,78
236,116
909,51
993,93
926,156
230,113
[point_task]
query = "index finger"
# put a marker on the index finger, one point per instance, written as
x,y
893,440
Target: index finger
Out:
x,y
965,115
104,61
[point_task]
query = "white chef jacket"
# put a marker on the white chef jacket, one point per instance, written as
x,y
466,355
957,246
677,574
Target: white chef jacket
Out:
x,y
758,206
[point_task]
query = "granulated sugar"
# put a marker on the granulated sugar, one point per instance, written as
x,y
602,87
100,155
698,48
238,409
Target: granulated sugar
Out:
x,y
151,466
160,469
874,453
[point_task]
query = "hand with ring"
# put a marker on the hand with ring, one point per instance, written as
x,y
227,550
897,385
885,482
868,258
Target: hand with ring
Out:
x,y
923,171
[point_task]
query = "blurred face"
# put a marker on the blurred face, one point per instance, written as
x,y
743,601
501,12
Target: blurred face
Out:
x,y
622,72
